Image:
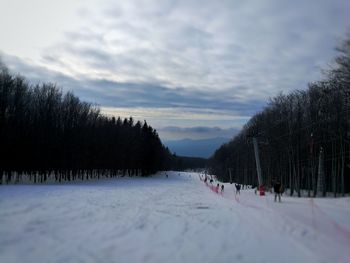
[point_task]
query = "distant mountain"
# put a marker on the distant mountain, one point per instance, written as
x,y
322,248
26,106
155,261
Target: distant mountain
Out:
x,y
195,148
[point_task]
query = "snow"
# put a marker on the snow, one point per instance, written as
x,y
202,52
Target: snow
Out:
x,y
175,219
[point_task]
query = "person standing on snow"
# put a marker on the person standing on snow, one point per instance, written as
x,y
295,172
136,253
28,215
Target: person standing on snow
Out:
x,y
238,189
217,188
277,187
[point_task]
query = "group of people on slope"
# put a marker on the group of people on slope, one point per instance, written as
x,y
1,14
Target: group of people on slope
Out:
x,y
277,188
222,187
216,188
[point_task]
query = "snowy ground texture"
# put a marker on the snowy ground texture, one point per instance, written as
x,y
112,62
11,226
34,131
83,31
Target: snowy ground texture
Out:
x,y
159,219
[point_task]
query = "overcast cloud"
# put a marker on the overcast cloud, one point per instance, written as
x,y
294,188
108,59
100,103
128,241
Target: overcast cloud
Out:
x,y
200,59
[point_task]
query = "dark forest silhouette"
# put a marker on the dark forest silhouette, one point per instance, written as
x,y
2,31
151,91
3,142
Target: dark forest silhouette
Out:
x,y
304,138
46,133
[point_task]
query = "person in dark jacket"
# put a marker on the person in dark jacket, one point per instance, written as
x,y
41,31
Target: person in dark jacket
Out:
x,y
277,187
238,189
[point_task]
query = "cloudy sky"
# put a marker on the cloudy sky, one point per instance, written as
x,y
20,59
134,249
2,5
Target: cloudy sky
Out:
x,y
195,69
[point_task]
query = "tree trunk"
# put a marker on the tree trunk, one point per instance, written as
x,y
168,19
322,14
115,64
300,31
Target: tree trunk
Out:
x,y
321,179
342,181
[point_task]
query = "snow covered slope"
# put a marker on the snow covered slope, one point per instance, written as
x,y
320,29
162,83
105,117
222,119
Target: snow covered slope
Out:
x,y
159,219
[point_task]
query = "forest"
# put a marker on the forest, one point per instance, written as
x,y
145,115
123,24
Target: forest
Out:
x,y
303,138
48,135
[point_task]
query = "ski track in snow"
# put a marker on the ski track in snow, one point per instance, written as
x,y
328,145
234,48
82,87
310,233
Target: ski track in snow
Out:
x,y
159,219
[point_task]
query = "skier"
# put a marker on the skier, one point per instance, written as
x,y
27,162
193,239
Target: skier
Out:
x,y
222,189
282,189
277,187
255,188
217,188
238,189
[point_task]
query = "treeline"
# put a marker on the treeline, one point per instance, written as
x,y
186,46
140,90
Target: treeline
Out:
x,y
46,134
303,138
